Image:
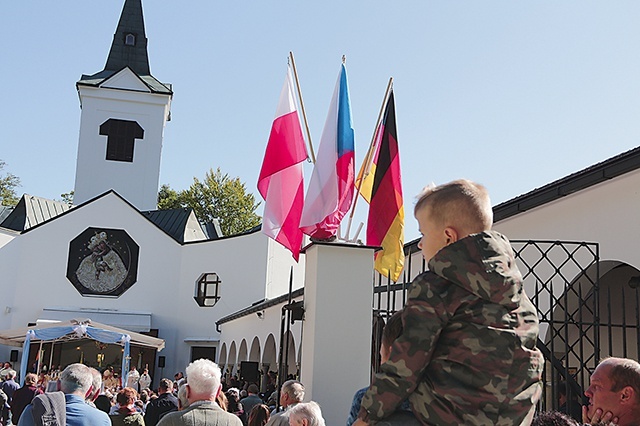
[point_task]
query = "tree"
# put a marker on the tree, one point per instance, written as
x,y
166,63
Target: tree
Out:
x,y
8,185
169,198
218,196
67,197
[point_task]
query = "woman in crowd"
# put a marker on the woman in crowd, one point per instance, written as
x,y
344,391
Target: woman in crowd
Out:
x,y
222,401
259,415
234,406
127,415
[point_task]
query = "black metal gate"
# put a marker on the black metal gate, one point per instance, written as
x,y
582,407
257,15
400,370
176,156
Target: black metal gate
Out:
x,y
580,321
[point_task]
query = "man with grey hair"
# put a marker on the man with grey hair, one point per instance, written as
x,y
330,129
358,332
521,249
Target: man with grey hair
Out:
x,y
23,396
75,384
306,414
9,387
203,386
96,386
291,394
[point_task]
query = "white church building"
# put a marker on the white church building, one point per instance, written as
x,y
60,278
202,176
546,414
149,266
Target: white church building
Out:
x,y
113,257
117,260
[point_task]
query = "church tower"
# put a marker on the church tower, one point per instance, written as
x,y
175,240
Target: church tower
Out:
x,y
124,111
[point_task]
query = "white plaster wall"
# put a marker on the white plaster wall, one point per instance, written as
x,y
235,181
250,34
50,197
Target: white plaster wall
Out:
x,y
137,182
251,326
240,263
8,282
34,277
278,270
126,79
10,249
337,329
42,262
41,279
6,236
606,213
193,231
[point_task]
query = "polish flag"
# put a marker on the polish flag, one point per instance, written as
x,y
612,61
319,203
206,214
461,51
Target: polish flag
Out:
x,y
281,181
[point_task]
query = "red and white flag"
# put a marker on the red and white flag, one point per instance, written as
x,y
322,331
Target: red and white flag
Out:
x,y
281,181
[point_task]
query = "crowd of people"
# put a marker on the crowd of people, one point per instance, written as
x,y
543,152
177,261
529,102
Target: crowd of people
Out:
x,y
461,352
85,396
201,397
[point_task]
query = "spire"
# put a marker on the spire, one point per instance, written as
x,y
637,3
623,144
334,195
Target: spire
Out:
x,y
129,47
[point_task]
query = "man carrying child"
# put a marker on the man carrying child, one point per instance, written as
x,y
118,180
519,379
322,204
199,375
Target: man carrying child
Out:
x,y
467,354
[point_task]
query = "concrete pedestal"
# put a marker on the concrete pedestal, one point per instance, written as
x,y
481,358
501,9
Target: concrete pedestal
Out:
x,y
336,341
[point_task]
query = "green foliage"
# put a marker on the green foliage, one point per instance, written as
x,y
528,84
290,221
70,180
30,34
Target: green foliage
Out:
x,y
67,197
169,198
216,197
8,185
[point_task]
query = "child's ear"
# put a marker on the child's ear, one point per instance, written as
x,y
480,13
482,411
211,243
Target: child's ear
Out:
x,y
451,235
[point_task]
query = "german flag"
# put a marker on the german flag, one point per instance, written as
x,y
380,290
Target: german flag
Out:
x,y
382,188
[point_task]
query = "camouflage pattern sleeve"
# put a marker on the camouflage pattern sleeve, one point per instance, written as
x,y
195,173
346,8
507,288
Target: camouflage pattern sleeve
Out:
x,y
424,318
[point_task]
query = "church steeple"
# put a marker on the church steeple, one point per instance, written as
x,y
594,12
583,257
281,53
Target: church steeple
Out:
x,y
129,47
124,111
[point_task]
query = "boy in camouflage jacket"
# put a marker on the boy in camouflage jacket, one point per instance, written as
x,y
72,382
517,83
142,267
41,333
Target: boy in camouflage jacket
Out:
x,y
468,353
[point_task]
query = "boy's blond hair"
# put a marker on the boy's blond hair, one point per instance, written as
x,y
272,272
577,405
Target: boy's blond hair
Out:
x,y
461,204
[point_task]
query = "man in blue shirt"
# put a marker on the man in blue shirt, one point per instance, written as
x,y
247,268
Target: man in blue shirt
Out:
x,y
75,383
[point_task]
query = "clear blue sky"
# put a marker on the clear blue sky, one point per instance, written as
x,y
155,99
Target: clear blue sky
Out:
x,y
511,94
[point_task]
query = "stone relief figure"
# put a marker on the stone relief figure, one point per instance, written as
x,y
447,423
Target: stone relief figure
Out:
x,y
103,270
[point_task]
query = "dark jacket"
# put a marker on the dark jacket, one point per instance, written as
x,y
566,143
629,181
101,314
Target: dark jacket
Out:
x,y
248,403
164,403
468,352
21,398
9,387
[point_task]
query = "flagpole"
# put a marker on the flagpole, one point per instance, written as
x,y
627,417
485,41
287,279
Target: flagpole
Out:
x,y
366,163
304,114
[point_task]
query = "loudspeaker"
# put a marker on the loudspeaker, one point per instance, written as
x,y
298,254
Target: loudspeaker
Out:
x,y
161,361
249,372
14,355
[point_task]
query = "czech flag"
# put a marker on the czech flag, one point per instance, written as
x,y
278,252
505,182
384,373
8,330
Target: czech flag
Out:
x,y
331,189
281,181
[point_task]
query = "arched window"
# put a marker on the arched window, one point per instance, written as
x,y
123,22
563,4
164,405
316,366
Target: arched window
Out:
x,y
130,39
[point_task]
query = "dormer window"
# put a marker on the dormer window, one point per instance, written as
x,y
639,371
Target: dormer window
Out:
x,y
130,39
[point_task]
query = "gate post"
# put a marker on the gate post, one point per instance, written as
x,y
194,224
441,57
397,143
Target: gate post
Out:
x,y
336,342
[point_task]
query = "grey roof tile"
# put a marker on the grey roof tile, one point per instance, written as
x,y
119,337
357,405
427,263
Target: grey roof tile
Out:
x,y
31,211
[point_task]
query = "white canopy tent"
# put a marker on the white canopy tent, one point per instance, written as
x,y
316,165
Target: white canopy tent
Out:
x,y
76,329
